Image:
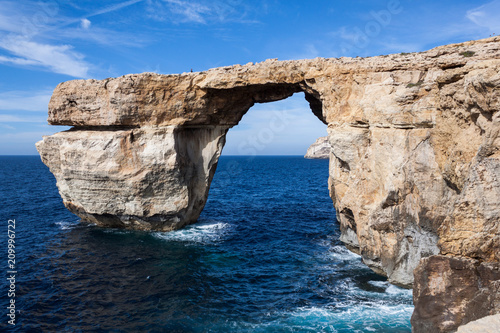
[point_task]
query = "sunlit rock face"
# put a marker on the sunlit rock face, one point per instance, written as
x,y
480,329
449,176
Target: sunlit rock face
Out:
x,y
320,149
414,155
154,178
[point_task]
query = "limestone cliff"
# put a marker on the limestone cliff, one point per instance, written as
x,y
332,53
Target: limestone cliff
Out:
x,y
320,149
414,167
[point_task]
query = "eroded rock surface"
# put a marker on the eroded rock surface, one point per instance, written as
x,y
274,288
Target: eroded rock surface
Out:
x,y
414,167
451,291
148,178
490,324
320,149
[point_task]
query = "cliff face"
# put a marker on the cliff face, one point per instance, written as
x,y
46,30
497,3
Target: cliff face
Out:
x,y
320,149
144,178
414,167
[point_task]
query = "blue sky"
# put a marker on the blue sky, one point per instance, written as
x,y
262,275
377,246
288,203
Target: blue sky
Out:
x,y
43,43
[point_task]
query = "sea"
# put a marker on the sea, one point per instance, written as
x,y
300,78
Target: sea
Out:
x,y
264,256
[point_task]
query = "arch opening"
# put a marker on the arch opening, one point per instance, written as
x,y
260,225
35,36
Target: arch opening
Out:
x,y
282,127
228,105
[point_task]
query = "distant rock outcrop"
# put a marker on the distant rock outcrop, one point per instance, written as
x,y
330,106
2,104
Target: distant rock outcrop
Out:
x,y
320,149
414,169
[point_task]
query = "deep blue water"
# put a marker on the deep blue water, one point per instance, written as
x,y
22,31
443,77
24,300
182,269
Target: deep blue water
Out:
x,y
264,257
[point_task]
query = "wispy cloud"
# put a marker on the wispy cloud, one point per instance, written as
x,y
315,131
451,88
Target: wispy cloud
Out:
x,y
345,33
405,32
57,58
17,61
486,16
83,21
20,22
25,100
28,18
202,12
28,27
115,7
192,12
16,16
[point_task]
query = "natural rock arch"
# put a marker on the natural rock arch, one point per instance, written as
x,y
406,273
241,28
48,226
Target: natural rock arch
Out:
x,y
414,167
115,120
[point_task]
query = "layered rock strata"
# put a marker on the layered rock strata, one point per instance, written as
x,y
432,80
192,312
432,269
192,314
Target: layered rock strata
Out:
x,y
145,178
414,167
320,149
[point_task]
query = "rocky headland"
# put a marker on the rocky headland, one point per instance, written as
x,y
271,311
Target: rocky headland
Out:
x,y
320,149
414,163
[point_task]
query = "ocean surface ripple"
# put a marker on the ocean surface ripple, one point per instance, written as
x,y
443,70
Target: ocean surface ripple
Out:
x,y
264,257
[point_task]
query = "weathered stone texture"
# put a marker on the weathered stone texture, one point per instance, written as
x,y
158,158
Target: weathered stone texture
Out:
x,y
414,163
451,291
320,149
143,178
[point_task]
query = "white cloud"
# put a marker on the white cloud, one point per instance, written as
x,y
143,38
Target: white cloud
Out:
x,y
178,11
25,101
60,22
19,17
57,58
116,7
7,24
85,23
17,61
182,11
487,16
22,22
192,12
345,33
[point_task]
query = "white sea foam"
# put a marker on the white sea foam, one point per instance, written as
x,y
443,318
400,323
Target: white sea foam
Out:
x,y
392,290
340,252
361,317
204,232
379,284
66,225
